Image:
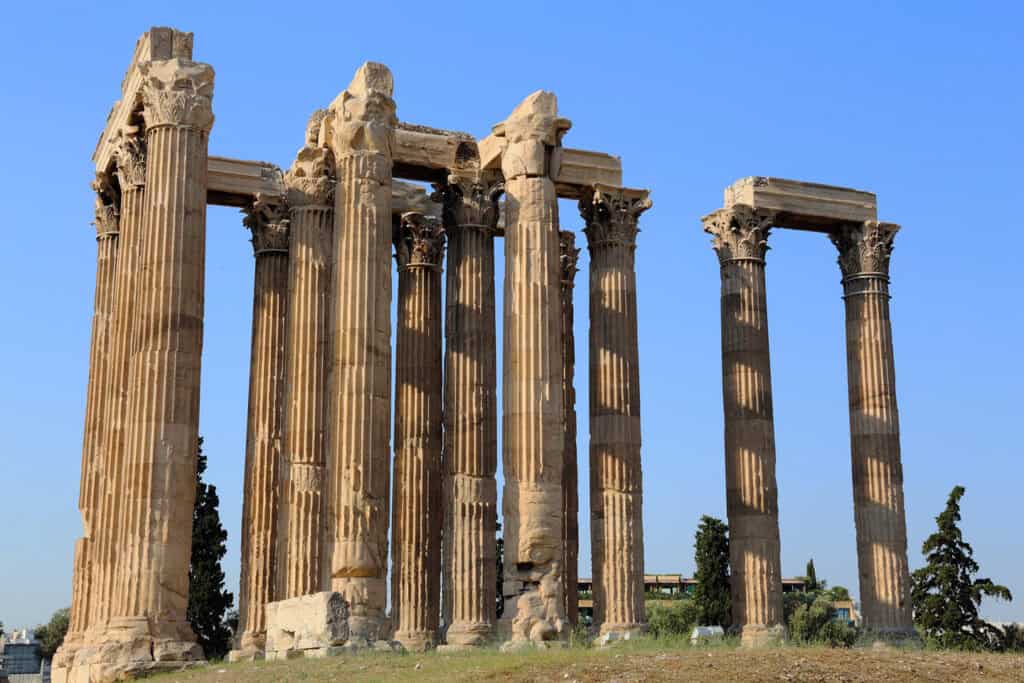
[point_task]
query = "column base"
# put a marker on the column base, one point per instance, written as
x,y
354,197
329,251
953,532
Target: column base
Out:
x,y
467,635
614,633
416,641
759,635
132,647
250,647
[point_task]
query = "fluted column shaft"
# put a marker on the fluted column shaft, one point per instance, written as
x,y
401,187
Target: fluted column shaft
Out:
x,y
97,406
416,529
570,472
740,239
269,225
363,120
533,430
470,413
164,368
616,478
131,171
301,505
874,429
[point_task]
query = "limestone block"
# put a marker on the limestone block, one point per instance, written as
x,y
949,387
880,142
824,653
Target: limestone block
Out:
x,y
309,622
805,206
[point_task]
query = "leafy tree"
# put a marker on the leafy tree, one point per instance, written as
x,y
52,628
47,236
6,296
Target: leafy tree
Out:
x,y
816,623
52,634
812,577
499,555
1012,639
208,602
671,618
944,592
711,594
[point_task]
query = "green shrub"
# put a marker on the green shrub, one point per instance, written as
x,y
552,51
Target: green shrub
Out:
x,y
670,618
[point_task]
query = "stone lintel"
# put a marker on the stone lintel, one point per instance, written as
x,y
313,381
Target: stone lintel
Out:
x,y
157,43
235,182
430,154
801,205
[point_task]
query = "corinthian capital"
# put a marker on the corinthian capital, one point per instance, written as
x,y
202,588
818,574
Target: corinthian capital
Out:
x,y
865,249
362,118
568,256
267,219
177,92
740,232
469,203
611,215
131,159
419,241
107,219
532,131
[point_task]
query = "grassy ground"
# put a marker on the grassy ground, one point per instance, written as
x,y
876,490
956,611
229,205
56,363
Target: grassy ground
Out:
x,y
645,660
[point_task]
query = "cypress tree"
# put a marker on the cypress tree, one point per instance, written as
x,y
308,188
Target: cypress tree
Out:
x,y
812,577
208,602
944,592
711,594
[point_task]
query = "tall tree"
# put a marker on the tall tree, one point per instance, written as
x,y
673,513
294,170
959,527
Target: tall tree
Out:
x,y
711,594
945,594
812,577
208,602
52,634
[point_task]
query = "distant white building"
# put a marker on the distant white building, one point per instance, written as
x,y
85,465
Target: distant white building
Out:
x,y
19,658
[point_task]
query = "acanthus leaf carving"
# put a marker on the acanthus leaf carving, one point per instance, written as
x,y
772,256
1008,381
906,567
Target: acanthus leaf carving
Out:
x,y
131,159
611,216
739,232
419,241
469,203
177,92
568,257
865,248
267,220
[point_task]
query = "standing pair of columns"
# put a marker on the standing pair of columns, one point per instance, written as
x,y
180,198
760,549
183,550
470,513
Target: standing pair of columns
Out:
x,y
740,238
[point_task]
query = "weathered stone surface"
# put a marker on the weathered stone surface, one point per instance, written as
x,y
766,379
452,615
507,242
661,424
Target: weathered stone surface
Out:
x,y
470,215
616,495
268,222
801,205
864,252
533,407
740,237
306,623
311,185
360,129
416,530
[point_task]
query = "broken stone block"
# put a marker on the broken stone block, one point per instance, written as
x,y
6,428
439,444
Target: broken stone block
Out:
x,y
308,622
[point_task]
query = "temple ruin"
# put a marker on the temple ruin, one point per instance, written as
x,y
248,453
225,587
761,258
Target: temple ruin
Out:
x,y
322,484
328,474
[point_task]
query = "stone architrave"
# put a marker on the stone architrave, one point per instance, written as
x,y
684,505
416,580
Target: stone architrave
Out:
x,y
740,238
864,251
361,123
149,629
310,184
97,405
616,478
470,215
533,428
416,528
267,220
570,472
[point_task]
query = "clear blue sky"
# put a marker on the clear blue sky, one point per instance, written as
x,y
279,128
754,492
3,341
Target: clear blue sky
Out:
x,y
920,104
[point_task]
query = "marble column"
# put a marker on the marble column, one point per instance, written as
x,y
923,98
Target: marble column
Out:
x,y
616,479
97,402
416,527
267,220
533,431
740,238
570,471
361,123
162,420
864,252
470,214
310,184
